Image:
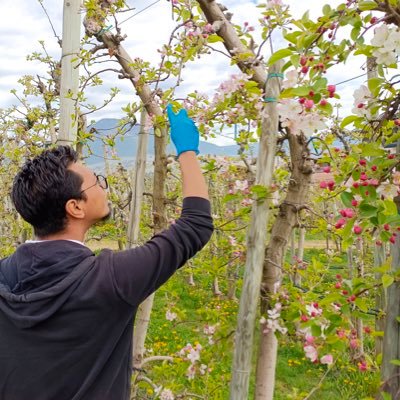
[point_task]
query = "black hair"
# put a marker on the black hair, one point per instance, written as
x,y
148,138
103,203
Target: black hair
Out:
x,y
42,188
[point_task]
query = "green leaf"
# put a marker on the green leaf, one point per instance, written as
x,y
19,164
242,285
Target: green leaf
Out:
x,y
286,93
306,17
326,9
214,38
390,207
367,5
386,396
395,362
387,280
346,198
310,39
260,191
316,330
372,150
349,120
367,211
278,55
361,304
346,233
326,109
385,235
301,91
320,84
292,37
356,174
355,32
374,85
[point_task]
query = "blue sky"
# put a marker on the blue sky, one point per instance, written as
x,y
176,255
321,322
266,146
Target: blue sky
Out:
x,y
23,24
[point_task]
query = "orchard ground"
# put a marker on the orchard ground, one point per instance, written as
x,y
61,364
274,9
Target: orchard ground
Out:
x,y
189,309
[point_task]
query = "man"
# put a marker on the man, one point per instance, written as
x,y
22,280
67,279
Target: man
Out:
x,y
66,316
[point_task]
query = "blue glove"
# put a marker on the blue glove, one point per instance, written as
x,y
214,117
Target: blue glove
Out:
x,y
184,133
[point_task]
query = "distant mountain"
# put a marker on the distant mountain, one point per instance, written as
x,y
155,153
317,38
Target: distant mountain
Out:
x,y
126,145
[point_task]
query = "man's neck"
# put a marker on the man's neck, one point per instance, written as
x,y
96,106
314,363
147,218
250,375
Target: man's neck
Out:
x,y
76,236
46,240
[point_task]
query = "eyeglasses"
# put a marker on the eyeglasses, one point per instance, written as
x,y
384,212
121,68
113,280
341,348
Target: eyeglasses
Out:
x,y
100,180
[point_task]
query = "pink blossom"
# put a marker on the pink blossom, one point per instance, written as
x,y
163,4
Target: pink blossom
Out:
x,y
274,3
247,202
313,311
374,182
396,177
331,88
323,185
341,333
363,366
354,343
232,240
347,213
309,104
326,169
209,329
311,353
208,29
310,339
327,359
340,223
241,185
191,372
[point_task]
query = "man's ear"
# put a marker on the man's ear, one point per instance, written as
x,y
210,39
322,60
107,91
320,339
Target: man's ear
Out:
x,y
75,208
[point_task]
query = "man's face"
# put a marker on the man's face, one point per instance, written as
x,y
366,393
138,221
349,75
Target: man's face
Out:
x,y
96,204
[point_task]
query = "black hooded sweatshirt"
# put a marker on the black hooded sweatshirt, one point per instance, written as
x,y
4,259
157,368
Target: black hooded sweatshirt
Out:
x,y
66,315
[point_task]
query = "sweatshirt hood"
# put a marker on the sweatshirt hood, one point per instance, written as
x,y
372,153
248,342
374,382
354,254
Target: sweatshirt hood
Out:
x,y
39,278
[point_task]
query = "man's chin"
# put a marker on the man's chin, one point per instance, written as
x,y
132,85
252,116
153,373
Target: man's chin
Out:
x,y
106,217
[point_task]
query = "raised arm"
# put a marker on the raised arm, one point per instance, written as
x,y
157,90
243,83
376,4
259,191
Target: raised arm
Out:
x,y
140,271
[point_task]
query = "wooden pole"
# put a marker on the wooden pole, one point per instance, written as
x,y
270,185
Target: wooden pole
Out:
x,y
138,178
390,373
69,72
256,240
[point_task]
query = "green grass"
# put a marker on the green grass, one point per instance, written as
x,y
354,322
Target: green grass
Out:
x,y
296,377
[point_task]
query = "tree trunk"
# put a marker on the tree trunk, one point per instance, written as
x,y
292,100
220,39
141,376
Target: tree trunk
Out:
x,y
256,237
113,43
286,220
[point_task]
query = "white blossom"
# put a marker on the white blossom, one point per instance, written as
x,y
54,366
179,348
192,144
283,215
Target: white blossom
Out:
x,y
292,77
167,394
170,316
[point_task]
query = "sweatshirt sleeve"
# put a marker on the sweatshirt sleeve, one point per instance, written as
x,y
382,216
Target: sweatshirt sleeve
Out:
x,y
140,271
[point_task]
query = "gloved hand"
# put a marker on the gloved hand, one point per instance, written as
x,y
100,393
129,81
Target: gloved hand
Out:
x,y
184,133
